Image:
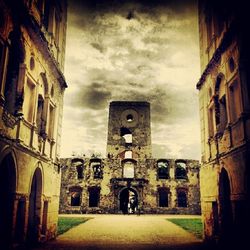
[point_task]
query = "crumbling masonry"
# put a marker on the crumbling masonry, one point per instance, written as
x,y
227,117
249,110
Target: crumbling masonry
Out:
x,y
129,179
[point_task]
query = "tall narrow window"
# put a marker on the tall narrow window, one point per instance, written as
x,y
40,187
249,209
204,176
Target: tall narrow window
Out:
x,y
39,115
163,197
94,196
16,57
162,169
182,198
234,101
220,105
78,163
79,172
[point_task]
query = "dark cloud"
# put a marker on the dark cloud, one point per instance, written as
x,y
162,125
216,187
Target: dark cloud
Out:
x,y
136,51
94,96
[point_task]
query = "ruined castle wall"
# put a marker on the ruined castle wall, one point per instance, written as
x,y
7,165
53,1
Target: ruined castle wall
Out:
x,y
146,184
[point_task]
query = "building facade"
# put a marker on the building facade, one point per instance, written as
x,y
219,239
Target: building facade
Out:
x,y
129,178
224,93
32,46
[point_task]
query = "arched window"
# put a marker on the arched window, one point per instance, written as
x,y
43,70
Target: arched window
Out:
x,y
78,164
180,170
75,195
163,197
220,104
94,196
162,169
128,169
182,197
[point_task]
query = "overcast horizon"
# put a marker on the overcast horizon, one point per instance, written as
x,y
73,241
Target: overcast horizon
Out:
x,y
132,51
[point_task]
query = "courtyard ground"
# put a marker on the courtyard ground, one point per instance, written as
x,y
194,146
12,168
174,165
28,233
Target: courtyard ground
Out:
x,y
126,232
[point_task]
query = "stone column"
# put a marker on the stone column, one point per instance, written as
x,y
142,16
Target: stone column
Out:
x,y
15,198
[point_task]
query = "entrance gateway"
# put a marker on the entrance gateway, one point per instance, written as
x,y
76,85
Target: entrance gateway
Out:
x,y
128,200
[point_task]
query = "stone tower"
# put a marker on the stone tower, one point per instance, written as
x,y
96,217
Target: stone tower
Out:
x,y
129,131
129,178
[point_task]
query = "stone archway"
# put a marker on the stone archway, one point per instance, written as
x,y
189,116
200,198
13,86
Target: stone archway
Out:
x,y
128,200
35,204
7,190
225,205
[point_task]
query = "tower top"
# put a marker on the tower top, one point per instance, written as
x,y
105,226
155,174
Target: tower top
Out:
x,y
129,130
129,103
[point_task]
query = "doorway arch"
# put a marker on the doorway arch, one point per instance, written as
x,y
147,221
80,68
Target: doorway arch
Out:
x,y
128,200
7,191
35,204
226,218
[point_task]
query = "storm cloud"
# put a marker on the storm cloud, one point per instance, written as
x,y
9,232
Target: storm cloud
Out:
x,y
135,51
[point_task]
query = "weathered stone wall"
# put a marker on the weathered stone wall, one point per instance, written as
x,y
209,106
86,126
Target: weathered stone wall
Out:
x,y
31,98
224,116
145,184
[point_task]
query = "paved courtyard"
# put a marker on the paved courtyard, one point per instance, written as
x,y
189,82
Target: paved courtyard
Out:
x,y
125,232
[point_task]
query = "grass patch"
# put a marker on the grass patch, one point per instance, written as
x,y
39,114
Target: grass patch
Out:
x,y
193,226
66,223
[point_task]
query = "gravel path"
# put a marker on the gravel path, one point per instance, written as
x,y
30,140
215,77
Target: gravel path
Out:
x,y
125,232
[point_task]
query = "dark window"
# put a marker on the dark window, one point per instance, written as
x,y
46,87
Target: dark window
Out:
x,y
97,169
13,102
78,163
182,198
75,198
162,169
79,172
39,115
94,197
163,197
220,105
130,118
180,170
231,64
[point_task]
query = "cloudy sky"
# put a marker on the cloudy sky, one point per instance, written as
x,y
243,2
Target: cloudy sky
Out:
x,y
132,50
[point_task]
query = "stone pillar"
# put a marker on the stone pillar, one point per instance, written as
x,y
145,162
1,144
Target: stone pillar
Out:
x,y
26,220
15,198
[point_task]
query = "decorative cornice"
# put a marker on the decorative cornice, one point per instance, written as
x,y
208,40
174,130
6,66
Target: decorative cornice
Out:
x,y
225,42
